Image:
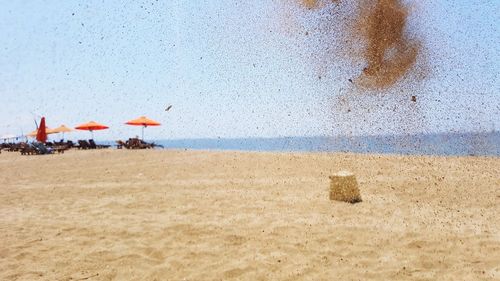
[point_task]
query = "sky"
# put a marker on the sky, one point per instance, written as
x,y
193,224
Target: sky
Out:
x,y
234,69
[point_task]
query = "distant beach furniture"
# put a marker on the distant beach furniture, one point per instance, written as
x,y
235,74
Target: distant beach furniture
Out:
x,y
38,148
91,126
144,122
135,143
61,129
90,144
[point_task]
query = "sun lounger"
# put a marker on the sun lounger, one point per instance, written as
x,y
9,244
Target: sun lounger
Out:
x,y
121,144
93,145
29,150
15,146
35,149
70,144
41,148
83,144
135,143
60,148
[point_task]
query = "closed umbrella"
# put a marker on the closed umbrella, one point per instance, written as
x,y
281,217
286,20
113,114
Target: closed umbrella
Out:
x,y
144,122
41,134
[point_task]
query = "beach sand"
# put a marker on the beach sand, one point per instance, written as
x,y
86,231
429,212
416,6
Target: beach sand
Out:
x,y
198,215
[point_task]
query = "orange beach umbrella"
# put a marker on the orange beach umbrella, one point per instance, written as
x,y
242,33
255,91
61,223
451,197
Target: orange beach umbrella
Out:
x,y
91,126
47,130
144,122
61,129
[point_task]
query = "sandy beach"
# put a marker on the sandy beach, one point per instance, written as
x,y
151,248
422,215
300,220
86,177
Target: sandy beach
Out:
x,y
198,215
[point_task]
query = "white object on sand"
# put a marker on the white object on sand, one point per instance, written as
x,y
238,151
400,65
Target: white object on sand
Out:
x,y
344,187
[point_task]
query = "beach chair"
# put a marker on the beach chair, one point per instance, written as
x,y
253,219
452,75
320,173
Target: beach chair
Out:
x,y
60,148
154,145
129,144
41,148
28,150
70,144
34,149
93,145
18,146
133,143
121,144
149,145
14,147
83,144
146,145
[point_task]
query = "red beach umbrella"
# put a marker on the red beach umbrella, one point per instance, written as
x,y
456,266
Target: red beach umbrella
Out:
x,y
144,122
91,126
41,134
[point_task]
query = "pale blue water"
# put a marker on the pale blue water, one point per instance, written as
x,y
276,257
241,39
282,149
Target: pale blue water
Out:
x,y
483,144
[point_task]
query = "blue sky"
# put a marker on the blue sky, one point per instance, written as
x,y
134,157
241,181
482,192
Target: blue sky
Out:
x,y
234,69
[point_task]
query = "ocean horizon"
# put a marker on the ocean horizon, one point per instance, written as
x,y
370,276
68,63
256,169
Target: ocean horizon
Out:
x,y
447,144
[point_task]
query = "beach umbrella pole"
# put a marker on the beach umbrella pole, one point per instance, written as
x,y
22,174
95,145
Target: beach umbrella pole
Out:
x,y
143,132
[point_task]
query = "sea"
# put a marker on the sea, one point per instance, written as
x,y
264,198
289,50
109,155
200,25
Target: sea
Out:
x,y
449,144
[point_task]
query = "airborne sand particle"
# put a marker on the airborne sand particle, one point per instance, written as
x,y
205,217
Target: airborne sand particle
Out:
x,y
388,52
